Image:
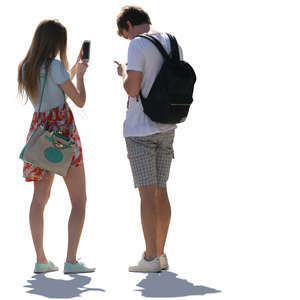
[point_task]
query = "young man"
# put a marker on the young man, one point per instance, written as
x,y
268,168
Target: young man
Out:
x,y
149,144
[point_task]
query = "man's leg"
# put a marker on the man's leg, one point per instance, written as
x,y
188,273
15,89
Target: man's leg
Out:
x,y
163,218
156,215
149,218
164,157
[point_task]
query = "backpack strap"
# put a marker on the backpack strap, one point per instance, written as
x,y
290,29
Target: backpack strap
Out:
x,y
158,45
174,47
161,49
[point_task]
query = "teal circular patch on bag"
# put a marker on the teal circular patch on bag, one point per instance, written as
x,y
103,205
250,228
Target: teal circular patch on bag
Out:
x,y
53,155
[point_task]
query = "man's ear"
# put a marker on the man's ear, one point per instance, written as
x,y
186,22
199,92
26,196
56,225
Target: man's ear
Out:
x,y
129,25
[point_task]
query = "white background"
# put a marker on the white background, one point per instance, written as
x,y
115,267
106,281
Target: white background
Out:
x,y
234,184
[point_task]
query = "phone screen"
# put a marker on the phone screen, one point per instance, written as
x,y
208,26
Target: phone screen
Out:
x,y
86,50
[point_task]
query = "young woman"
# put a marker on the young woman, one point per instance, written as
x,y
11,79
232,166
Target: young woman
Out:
x,y
50,40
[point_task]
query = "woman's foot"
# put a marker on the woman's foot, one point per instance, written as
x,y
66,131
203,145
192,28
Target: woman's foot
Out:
x,y
45,267
78,267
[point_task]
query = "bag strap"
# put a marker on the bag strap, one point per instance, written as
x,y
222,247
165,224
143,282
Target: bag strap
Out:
x,y
160,48
42,94
40,104
174,47
157,43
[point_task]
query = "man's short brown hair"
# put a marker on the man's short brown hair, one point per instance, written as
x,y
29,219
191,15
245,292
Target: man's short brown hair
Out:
x,y
134,14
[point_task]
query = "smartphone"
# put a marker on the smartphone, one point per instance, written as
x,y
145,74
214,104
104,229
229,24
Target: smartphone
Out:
x,y
86,50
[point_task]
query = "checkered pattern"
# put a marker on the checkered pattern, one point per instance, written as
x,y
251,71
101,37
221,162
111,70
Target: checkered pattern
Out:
x,y
150,158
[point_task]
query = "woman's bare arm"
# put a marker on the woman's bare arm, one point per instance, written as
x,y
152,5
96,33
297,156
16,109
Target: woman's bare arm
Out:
x,y
76,94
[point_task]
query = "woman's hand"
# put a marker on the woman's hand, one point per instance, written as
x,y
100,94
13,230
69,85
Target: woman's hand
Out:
x,y
74,68
76,94
81,68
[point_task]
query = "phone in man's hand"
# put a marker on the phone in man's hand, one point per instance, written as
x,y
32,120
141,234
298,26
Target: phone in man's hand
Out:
x,y
86,50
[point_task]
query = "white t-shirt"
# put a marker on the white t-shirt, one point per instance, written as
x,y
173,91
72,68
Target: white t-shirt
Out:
x,y
143,56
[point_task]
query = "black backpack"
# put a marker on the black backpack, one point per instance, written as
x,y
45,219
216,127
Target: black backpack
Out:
x,y
171,94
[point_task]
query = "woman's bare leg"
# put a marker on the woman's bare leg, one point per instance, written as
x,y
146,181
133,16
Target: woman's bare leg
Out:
x,y
40,198
75,182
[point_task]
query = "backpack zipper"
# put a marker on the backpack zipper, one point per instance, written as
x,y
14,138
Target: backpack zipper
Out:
x,y
180,104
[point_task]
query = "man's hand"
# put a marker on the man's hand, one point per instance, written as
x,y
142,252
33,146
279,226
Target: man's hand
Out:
x,y
121,69
132,80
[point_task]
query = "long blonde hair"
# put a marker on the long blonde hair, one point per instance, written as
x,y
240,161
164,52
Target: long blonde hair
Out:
x,y
50,38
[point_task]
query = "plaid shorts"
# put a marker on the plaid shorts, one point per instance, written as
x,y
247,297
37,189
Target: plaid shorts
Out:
x,y
150,158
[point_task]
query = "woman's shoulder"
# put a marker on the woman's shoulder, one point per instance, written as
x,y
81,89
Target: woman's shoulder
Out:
x,y
55,63
58,71
53,66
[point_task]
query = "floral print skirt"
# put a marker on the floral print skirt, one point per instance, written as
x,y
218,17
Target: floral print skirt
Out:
x,y
54,119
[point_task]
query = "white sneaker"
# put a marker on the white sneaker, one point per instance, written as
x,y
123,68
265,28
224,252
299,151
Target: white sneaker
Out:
x,y
163,261
145,266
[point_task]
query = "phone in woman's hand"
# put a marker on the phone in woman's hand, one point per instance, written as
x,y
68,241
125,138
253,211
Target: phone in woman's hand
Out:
x,y
86,50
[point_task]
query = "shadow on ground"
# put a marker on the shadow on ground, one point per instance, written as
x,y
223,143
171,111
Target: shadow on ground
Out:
x,y
59,288
166,284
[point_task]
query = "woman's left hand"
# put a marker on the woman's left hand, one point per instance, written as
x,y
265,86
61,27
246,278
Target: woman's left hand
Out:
x,y
74,68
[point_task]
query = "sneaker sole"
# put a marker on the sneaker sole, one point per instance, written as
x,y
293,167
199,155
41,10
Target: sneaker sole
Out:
x,y
40,272
138,271
76,272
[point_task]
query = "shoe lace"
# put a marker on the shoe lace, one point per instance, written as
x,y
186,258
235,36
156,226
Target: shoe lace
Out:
x,y
80,262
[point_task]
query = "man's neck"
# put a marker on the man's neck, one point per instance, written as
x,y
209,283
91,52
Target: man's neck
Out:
x,y
143,28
